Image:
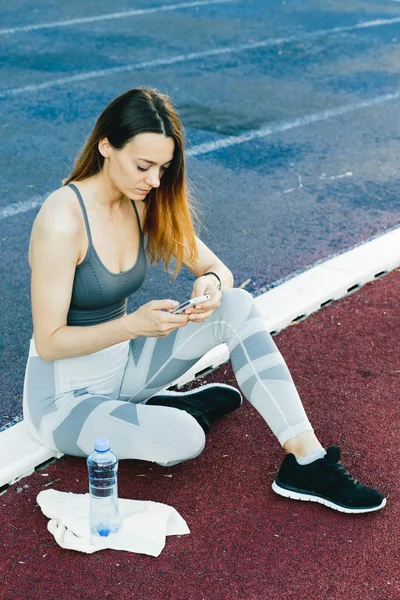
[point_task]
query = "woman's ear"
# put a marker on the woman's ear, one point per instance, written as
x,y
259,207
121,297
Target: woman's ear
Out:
x,y
105,147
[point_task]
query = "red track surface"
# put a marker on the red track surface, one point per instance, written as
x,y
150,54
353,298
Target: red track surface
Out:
x,y
245,541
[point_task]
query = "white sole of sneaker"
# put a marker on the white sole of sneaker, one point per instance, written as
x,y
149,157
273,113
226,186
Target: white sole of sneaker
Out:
x,y
309,498
198,390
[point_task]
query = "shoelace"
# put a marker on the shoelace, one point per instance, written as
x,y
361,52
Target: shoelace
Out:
x,y
344,474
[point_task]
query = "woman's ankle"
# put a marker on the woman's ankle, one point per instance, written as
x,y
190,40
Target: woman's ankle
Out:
x,y
303,444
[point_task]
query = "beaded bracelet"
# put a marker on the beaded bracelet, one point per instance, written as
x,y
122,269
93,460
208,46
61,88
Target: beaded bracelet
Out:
x,y
219,285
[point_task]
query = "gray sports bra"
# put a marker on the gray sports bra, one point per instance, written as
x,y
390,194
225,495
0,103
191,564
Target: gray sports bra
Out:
x,y
97,294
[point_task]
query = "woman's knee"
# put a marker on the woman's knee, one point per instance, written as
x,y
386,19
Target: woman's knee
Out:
x,y
173,434
191,434
236,302
238,294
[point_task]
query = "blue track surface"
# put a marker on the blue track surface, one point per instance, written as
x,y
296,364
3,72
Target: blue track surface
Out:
x,y
272,205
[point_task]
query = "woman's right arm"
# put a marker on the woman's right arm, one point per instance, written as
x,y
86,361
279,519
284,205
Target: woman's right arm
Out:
x,y
55,247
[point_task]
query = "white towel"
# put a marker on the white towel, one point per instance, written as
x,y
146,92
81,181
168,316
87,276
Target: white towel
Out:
x,y
143,524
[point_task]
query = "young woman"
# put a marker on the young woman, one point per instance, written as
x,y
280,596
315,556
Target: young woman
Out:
x,y
95,370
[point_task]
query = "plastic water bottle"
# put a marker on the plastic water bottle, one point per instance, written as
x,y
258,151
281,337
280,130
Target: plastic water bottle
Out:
x,y
103,487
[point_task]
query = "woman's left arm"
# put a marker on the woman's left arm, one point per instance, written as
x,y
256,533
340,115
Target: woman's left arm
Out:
x,y
213,277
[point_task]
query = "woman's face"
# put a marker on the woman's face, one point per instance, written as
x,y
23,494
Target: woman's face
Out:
x,y
138,167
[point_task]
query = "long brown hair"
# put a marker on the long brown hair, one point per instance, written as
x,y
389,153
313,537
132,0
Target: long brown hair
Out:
x,y
170,211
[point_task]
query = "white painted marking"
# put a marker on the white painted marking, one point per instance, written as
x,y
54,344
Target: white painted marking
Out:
x,y
299,296
300,182
149,64
21,207
300,185
254,134
117,15
24,206
324,176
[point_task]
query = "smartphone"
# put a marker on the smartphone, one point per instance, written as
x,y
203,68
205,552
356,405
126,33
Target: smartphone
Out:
x,y
181,308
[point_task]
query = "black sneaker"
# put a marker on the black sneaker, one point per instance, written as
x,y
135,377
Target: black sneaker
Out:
x,y
327,482
205,404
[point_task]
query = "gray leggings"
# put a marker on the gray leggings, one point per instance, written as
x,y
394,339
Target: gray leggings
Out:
x,y
70,402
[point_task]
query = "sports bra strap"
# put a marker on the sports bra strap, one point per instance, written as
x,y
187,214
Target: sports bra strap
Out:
x,y
138,220
85,217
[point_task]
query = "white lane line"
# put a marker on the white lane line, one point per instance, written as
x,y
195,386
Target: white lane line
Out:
x,y
326,177
21,207
25,205
180,58
117,15
253,134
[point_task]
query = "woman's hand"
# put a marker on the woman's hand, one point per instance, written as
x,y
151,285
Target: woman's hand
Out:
x,y
202,286
154,319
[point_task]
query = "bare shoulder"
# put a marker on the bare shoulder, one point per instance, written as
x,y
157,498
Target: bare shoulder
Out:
x,y
60,213
58,224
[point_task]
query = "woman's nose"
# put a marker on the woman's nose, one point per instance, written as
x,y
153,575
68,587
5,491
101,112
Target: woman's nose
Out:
x,y
153,178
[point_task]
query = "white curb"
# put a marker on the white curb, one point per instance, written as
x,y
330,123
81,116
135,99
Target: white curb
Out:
x,y
291,301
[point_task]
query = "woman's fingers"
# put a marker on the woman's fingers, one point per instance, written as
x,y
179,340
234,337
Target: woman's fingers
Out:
x,y
199,317
170,321
204,308
163,304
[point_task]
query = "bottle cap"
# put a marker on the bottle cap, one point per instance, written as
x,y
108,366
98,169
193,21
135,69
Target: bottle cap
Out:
x,y
101,444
